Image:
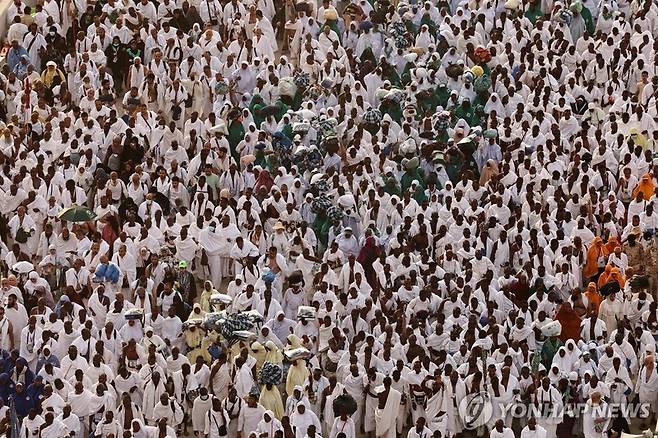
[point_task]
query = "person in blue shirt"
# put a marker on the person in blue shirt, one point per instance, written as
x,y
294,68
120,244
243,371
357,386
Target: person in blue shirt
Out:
x,y
20,70
35,390
16,51
23,402
22,373
7,388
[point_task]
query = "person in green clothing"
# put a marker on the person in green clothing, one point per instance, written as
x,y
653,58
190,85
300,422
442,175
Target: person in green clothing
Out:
x,y
259,152
442,94
549,349
255,107
389,72
425,102
466,111
235,130
589,20
453,163
331,18
534,13
581,21
405,78
391,186
391,107
211,178
412,173
321,227
409,24
419,194
427,20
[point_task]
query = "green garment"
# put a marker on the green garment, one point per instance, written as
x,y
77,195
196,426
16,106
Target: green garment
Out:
x,y
368,55
392,75
480,100
333,25
426,102
589,21
297,99
287,130
321,227
392,109
442,94
411,27
453,167
549,350
467,114
282,108
409,177
260,159
534,12
235,136
419,194
213,182
255,107
391,187
426,20
406,73
442,136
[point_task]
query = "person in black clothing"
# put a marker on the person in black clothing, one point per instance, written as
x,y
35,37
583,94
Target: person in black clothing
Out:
x,y
133,153
116,60
87,17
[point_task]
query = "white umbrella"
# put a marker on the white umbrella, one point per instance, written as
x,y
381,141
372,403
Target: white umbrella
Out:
x,y
22,267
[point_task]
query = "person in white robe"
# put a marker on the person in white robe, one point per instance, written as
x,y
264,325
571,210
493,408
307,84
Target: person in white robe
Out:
x,y
153,389
596,417
387,411
647,384
250,415
302,418
420,430
533,430
216,421
200,410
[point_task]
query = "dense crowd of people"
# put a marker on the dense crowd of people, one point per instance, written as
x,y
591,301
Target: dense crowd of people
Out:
x,y
292,219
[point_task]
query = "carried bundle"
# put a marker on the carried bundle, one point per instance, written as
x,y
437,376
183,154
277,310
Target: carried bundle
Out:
x,y
134,314
344,404
552,329
297,354
306,312
270,374
217,299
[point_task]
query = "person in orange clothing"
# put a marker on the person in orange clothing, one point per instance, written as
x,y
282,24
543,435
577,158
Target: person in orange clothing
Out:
x,y
570,322
605,276
645,186
612,243
616,275
594,298
596,254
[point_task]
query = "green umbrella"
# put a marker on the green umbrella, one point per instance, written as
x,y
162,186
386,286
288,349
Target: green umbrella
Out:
x,y
76,213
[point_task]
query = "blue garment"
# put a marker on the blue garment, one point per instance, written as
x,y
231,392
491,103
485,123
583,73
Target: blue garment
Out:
x,y
14,56
28,375
23,403
52,359
20,70
486,153
7,388
215,351
35,390
107,272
